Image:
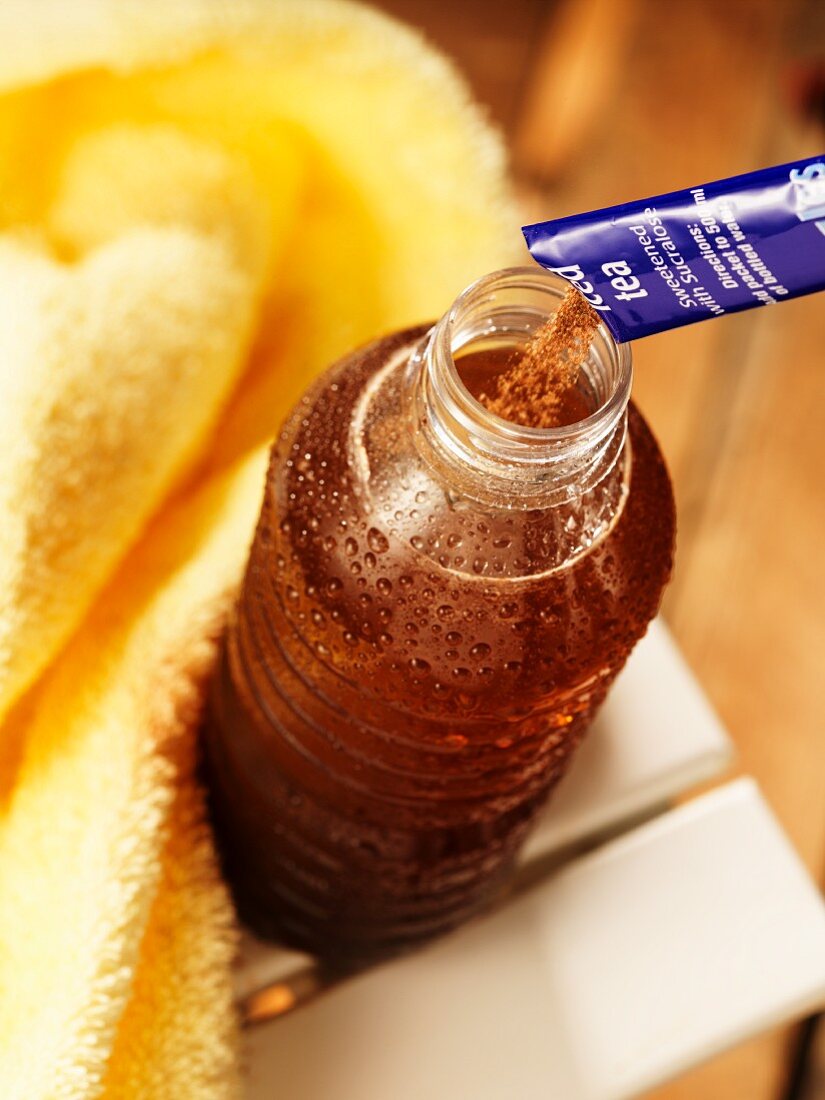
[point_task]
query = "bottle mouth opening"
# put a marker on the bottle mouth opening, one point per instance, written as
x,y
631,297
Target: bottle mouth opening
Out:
x,y
502,310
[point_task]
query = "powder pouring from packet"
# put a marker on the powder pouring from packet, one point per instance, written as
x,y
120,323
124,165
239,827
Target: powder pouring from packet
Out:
x,y
705,251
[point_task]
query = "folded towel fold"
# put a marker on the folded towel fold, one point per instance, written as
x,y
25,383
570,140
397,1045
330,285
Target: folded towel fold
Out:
x,y
115,369
107,750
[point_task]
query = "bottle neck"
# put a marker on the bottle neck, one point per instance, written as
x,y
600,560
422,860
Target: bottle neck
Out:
x,y
494,461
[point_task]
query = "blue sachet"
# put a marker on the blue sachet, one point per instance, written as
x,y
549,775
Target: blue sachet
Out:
x,y
673,259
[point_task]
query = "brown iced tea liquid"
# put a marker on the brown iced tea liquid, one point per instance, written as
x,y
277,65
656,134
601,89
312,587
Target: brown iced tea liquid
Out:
x,y
408,672
479,371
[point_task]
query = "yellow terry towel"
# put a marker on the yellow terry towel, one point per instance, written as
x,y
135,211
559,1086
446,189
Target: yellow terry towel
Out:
x,y
201,205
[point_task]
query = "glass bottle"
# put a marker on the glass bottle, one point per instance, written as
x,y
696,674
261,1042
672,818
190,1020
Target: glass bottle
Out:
x,y
435,605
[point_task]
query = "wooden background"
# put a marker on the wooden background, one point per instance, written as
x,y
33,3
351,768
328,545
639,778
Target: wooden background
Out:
x,y
608,100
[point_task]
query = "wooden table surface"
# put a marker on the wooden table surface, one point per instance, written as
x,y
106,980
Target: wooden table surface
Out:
x,y
608,100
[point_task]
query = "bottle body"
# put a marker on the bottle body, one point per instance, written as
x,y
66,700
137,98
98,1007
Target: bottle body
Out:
x,y
410,668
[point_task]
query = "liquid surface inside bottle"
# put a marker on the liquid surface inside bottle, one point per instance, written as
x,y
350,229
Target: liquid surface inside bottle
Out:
x,y
422,638
480,369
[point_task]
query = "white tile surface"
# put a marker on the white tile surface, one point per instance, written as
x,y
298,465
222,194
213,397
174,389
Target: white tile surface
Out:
x,y
680,939
632,963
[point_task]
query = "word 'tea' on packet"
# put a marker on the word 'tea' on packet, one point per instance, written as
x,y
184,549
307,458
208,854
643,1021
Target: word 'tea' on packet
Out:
x,y
673,259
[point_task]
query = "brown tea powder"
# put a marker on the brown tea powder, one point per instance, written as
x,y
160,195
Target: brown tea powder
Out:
x,y
530,392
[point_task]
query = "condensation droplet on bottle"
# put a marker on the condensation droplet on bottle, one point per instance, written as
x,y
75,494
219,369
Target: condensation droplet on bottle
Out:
x,y
418,666
461,673
417,543
405,581
479,650
453,638
453,541
370,560
355,568
377,541
350,547
329,544
349,638
291,593
384,586
479,565
333,586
